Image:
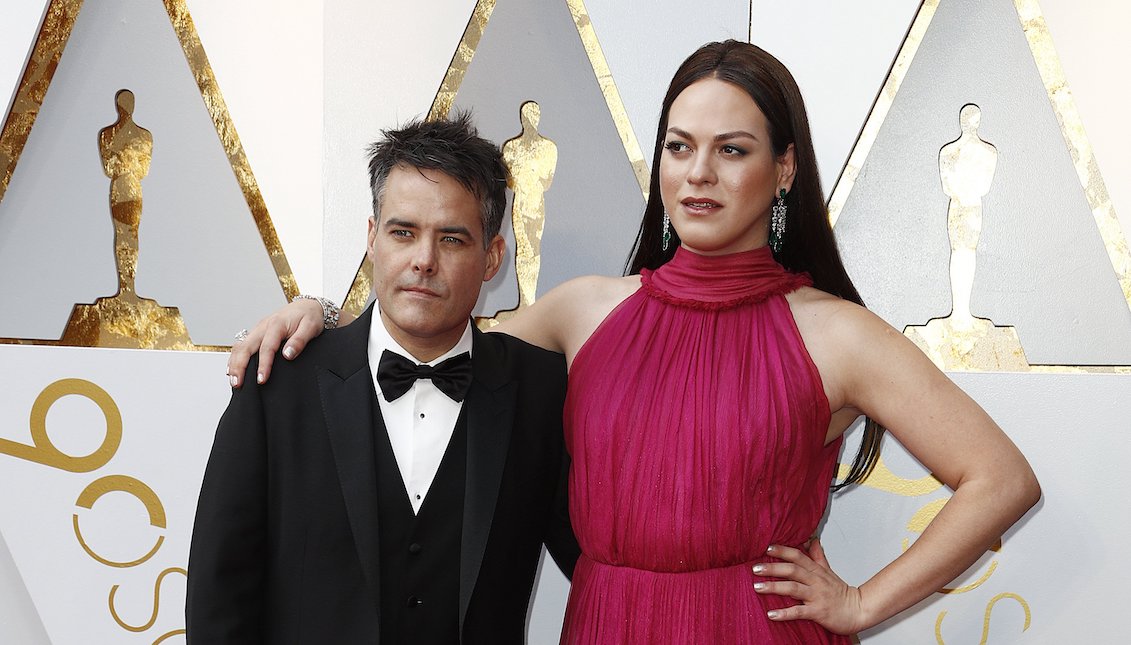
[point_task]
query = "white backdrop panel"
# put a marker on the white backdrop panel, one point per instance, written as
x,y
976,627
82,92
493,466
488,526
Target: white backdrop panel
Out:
x,y
169,403
1066,560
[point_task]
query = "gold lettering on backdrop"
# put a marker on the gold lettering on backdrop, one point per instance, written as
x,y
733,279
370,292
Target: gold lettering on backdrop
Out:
x,y
156,602
961,340
166,636
125,484
43,451
125,319
986,620
531,159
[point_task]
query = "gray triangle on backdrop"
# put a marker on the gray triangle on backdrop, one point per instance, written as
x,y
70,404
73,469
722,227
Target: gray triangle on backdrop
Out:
x,y
1041,263
643,54
21,623
200,249
531,51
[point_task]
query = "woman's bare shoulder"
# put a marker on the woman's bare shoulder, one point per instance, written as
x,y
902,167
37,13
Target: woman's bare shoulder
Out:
x,y
592,299
834,316
834,331
562,318
601,287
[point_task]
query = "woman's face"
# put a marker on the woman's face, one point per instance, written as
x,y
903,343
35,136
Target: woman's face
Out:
x,y
718,172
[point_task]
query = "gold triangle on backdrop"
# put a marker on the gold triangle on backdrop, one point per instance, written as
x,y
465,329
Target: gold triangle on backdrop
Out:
x,y
983,346
112,322
358,296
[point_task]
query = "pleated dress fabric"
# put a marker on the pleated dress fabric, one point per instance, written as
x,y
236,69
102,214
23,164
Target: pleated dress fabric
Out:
x,y
696,422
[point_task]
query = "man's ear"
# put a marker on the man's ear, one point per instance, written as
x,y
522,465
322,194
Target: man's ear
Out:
x,y
495,254
371,238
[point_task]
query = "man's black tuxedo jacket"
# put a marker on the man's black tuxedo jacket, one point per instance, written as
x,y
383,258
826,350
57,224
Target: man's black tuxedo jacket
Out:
x,y
285,545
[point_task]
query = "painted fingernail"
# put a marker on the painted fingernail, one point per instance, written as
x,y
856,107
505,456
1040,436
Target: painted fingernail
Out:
x,y
759,568
770,549
772,614
759,586
288,352
259,378
234,379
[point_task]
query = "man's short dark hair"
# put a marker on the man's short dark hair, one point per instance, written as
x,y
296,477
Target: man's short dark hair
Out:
x,y
452,146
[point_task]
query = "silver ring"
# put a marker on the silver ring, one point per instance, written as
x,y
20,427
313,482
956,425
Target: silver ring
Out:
x,y
241,335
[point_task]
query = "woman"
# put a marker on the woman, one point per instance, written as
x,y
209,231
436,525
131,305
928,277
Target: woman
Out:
x,y
709,390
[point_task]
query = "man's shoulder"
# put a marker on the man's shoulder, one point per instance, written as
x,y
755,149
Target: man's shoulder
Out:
x,y
512,350
500,358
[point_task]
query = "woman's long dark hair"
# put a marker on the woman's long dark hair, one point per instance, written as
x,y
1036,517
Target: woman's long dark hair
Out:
x,y
808,244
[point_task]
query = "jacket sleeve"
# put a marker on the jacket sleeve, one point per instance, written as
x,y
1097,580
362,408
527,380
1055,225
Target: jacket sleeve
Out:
x,y
227,568
560,539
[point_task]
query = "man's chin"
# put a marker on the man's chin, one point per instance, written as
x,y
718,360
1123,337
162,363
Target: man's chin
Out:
x,y
426,322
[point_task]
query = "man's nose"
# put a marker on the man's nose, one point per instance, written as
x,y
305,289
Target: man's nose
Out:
x,y
424,260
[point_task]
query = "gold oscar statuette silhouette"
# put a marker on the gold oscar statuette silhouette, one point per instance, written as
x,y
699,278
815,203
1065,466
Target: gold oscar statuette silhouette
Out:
x,y
961,340
125,319
531,159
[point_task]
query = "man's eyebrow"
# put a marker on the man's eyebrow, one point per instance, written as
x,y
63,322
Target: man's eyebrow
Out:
x,y
399,223
460,230
396,222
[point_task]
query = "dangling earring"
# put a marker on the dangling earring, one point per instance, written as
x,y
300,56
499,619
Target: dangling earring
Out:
x,y
777,222
666,238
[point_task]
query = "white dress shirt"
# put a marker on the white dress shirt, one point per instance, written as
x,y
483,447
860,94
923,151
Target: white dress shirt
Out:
x,y
420,423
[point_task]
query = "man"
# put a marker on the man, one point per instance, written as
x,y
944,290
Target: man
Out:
x,y
358,496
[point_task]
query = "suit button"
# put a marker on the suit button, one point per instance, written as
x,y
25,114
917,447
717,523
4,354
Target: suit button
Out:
x,y
414,548
413,601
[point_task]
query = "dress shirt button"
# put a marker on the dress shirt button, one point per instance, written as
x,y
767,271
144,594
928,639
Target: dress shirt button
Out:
x,y
421,415
413,601
414,548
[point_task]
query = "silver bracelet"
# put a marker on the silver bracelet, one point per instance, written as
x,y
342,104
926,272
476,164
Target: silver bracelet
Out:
x,y
330,311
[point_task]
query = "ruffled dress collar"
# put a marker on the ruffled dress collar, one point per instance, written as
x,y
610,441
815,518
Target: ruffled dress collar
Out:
x,y
715,282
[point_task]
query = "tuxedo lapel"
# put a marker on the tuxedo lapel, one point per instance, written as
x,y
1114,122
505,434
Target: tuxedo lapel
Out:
x,y
490,408
345,385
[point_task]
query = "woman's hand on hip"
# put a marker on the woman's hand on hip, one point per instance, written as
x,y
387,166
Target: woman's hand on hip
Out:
x,y
807,577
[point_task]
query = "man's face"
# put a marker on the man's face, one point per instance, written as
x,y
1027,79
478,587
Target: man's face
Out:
x,y
429,260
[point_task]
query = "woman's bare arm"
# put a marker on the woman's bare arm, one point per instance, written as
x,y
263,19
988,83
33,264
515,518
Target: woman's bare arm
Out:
x,y
870,367
559,321
564,318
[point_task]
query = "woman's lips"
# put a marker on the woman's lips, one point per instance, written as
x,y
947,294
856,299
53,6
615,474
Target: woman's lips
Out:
x,y
699,205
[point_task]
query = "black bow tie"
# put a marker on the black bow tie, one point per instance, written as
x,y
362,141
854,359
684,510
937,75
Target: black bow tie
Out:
x,y
396,374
